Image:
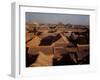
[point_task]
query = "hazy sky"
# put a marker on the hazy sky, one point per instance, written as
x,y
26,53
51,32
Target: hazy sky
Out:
x,y
55,18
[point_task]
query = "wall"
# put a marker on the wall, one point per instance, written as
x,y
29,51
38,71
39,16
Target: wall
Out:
x,y
5,41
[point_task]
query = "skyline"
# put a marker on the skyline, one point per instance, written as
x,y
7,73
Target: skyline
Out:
x,y
53,18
